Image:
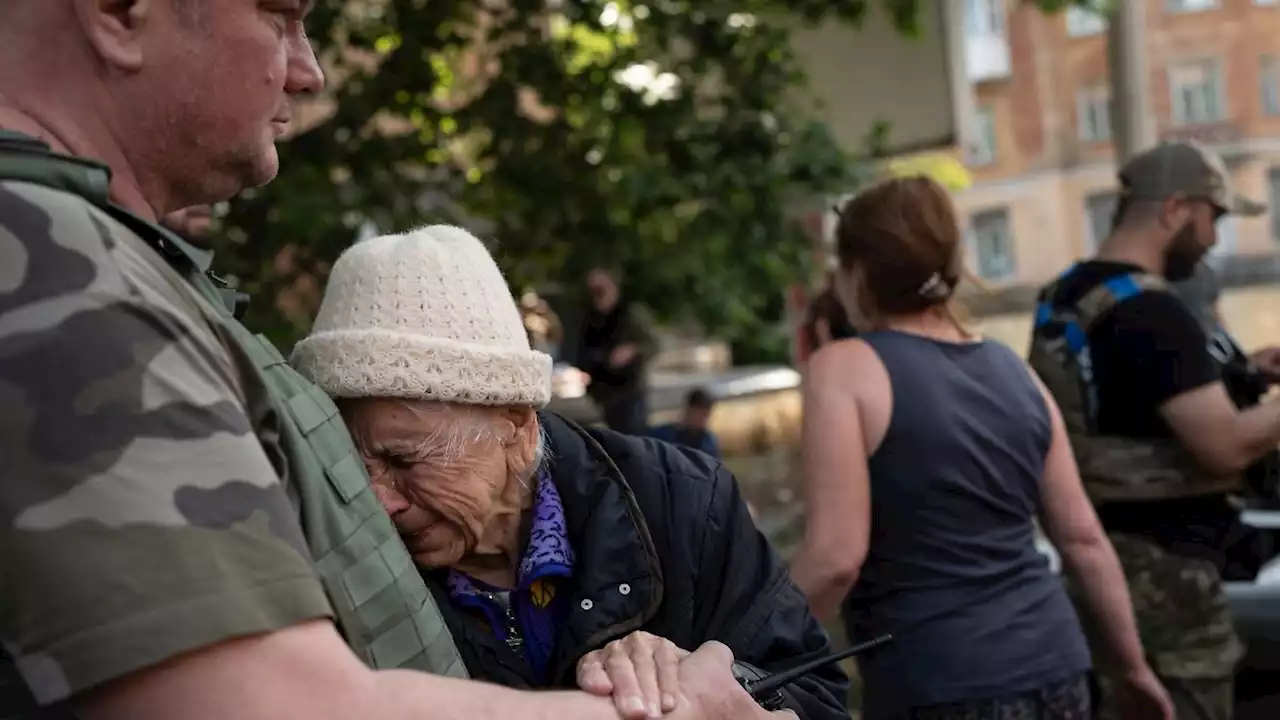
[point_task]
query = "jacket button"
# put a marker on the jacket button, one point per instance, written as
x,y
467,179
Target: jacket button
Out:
x,y
625,589
587,604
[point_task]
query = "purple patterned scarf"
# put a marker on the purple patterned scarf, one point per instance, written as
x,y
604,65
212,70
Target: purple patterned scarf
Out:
x,y
536,607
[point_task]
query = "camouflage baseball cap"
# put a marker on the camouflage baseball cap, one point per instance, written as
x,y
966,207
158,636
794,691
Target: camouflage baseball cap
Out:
x,y
1184,168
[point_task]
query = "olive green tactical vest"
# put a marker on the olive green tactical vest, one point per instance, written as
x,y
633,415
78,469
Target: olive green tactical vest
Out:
x,y
1112,468
382,606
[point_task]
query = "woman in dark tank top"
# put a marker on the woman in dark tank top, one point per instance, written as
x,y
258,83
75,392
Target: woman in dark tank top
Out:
x,y
930,455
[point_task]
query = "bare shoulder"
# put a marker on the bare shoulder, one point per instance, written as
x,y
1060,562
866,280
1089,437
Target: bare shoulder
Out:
x,y
850,363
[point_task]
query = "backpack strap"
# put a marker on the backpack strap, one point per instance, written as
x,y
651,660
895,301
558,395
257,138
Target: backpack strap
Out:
x,y
1093,307
1101,300
26,159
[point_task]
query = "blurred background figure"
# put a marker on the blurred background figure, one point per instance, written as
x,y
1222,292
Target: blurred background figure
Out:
x,y
614,348
542,324
825,321
692,430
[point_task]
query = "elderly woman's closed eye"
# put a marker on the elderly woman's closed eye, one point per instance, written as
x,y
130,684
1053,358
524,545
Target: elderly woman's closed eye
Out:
x,y
560,556
455,479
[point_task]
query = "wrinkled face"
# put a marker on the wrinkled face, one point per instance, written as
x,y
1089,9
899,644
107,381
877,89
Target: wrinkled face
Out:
x,y
210,94
1195,234
447,475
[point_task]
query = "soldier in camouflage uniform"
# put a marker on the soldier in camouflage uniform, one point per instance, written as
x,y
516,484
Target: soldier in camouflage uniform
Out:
x,y
183,520
1162,433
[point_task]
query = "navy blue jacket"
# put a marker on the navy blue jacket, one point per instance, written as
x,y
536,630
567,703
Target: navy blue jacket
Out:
x,y
665,544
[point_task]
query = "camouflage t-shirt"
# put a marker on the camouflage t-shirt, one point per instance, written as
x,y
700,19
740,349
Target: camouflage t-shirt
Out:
x,y
141,515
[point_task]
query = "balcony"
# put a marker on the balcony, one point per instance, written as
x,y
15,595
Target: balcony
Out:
x,y
987,57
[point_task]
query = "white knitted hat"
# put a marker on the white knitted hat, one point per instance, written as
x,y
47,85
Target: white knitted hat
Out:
x,y
423,315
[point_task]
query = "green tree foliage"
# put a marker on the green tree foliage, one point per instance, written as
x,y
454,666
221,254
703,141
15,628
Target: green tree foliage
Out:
x,y
652,135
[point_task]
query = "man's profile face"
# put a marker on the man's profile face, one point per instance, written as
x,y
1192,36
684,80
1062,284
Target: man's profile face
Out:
x,y
1195,234
216,82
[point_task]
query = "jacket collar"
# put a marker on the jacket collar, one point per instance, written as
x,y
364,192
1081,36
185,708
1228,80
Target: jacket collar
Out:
x,y
619,584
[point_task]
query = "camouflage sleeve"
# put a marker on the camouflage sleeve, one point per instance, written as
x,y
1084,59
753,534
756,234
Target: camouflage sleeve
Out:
x,y
140,517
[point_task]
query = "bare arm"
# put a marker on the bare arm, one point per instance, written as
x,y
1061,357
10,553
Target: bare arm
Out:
x,y
836,483
1223,438
1073,528
307,672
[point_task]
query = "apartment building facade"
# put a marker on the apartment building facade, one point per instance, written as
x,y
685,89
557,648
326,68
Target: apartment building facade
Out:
x,y
1039,146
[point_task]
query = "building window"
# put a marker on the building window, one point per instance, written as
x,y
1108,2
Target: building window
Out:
x,y
985,17
1099,211
982,151
1083,21
1190,5
1269,79
1197,92
1273,192
992,244
1093,114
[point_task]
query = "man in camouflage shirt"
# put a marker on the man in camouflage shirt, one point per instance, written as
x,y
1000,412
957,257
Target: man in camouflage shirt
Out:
x,y
152,557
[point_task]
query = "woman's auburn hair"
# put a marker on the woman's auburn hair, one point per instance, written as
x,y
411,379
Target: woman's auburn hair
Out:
x,y
904,236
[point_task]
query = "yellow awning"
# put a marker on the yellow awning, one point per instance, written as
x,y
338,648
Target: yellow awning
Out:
x,y
942,167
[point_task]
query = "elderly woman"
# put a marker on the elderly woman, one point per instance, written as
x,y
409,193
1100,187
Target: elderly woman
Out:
x,y
561,556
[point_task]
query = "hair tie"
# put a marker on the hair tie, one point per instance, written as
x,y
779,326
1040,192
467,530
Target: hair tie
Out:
x,y
935,288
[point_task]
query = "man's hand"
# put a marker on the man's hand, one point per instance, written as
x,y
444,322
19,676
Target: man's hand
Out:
x,y
709,691
622,355
640,671
1267,360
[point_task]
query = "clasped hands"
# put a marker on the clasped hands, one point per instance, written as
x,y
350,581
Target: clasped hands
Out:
x,y
650,677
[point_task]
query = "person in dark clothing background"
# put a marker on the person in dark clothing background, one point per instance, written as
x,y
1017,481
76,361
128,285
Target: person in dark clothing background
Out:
x,y
691,429
826,321
614,348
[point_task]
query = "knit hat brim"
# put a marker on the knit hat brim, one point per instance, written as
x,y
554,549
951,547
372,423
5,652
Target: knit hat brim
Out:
x,y
387,363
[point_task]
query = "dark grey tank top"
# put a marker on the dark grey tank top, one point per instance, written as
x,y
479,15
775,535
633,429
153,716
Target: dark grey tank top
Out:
x,y
952,570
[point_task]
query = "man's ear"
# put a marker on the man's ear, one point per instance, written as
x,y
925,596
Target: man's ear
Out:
x,y
114,29
1175,211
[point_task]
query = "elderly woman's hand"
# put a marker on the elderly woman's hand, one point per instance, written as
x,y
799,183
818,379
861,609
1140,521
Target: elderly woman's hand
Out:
x,y
640,671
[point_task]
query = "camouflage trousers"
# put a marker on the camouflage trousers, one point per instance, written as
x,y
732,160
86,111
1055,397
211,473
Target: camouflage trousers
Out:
x,y
1067,700
1185,625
